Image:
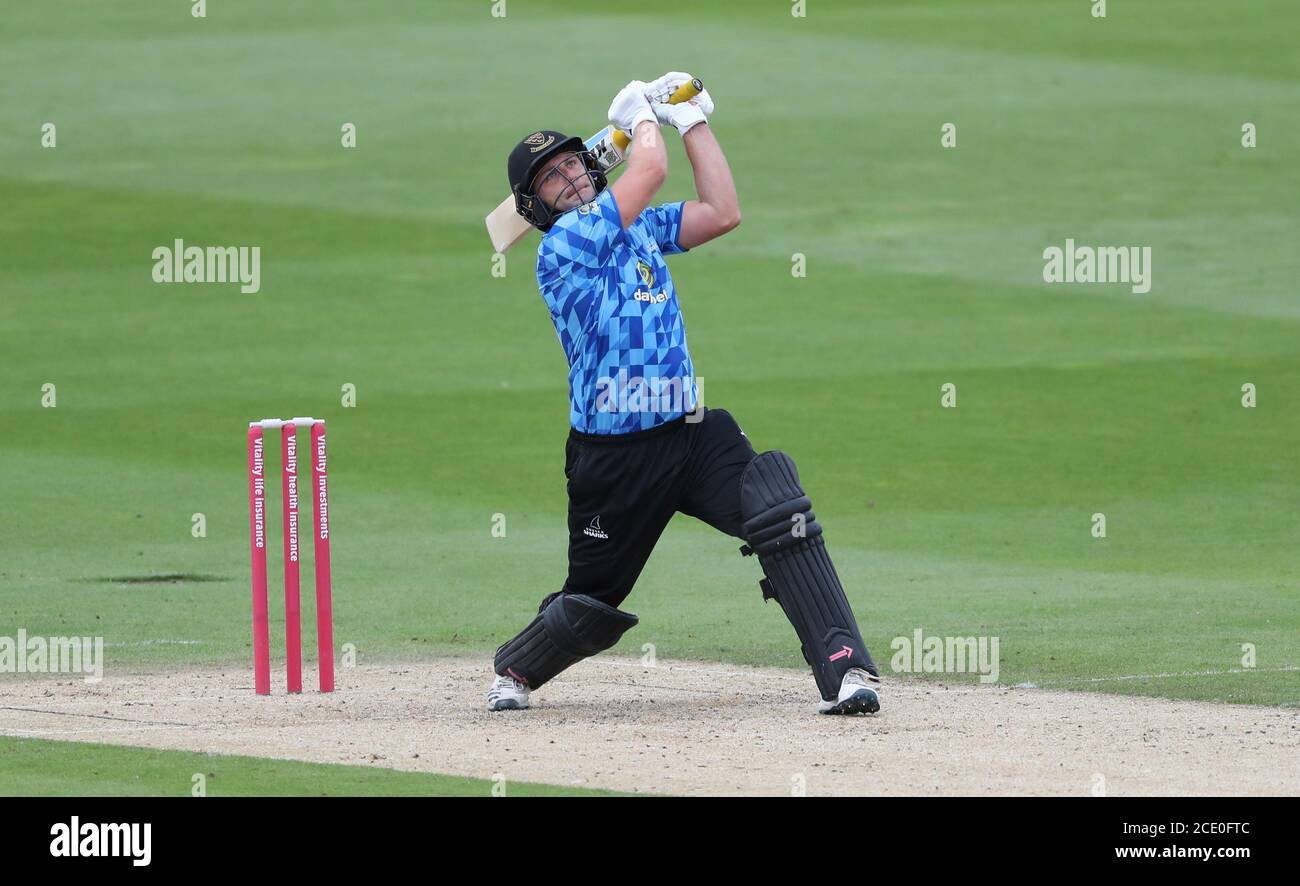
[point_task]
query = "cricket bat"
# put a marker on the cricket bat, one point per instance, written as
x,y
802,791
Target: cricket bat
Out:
x,y
507,227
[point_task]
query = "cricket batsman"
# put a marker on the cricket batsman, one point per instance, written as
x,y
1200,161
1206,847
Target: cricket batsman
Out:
x,y
642,446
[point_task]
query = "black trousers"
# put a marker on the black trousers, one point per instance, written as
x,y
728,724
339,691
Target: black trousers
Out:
x,y
624,489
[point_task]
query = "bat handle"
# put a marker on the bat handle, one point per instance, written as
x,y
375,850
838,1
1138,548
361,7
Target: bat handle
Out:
x,y
684,93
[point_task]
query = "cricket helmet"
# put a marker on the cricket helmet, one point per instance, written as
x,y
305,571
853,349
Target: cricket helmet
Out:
x,y
529,156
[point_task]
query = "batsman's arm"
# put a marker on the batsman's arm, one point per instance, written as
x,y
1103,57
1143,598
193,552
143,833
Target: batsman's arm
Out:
x,y
717,210
647,168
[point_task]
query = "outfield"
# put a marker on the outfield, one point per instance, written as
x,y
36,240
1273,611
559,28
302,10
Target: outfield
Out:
x,y
55,768
924,268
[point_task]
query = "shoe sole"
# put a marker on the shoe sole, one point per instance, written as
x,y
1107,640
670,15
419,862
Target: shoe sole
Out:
x,y
864,701
507,704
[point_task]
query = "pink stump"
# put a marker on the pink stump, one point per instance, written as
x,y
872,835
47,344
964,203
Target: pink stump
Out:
x,y
257,537
292,602
324,603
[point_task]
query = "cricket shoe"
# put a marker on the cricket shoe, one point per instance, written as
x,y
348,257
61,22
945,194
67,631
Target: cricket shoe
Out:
x,y
507,694
859,694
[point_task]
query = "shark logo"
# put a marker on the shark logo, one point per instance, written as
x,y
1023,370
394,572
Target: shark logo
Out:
x,y
646,274
593,528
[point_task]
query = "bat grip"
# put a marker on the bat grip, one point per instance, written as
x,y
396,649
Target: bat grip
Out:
x,y
684,93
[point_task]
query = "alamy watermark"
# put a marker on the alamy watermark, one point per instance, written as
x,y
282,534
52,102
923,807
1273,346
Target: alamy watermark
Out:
x,y
179,263
78,839
1098,264
634,393
919,654
53,655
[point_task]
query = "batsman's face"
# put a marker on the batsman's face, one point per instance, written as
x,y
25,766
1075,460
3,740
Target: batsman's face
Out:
x,y
564,183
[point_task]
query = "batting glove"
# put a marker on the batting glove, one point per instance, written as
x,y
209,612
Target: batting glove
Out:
x,y
681,116
659,89
662,89
630,108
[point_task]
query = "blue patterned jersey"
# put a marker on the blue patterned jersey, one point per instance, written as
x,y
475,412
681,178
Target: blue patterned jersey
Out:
x,y
614,306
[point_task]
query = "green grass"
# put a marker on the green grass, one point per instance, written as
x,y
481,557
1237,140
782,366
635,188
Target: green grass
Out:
x,y
924,269
34,767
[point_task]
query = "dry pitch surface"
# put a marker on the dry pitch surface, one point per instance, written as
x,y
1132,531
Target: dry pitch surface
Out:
x,y
687,728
